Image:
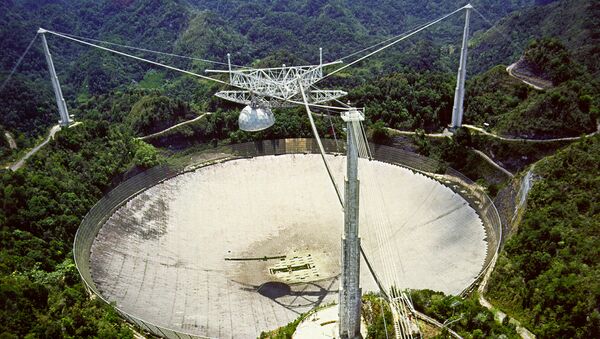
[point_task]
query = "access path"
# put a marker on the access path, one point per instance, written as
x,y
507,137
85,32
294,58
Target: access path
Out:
x,y
149,136
448,134
34,150
528,81
493,135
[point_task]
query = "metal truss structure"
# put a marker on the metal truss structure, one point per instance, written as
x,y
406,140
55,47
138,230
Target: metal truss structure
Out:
x,y
276,86
246,97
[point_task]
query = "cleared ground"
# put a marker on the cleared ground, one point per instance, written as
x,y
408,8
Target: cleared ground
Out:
x,y
243,246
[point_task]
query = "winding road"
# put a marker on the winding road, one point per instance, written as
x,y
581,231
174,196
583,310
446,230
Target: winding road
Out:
x,y
149,136
493,163
496,136
19,163
448,134
510,70
34,150
431,135
482,131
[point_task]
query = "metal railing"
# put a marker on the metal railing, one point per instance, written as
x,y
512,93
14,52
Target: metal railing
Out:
x,y
105,207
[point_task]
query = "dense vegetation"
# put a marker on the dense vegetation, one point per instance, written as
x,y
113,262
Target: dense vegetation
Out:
x,y
547,275
550,59
271,33
154,113
340,26
40,291
572,22
147,111
464,316
492,94
570,108
517,155
408,101
414,99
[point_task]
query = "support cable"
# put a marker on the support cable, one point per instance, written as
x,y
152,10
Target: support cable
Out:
x,y
398,309
150,51
337,146
399,301
492,26
385,254
137,58
14,69
383,42
376,221
386,258
383,316
364,133
393,42
342,103
378,281
321,149
184,71
311,104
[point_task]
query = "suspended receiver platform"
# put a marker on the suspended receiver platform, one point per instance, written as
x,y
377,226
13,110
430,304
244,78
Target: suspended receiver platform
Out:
x,y
276,86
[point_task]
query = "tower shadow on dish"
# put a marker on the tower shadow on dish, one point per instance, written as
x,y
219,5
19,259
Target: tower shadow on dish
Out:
x,y
310,294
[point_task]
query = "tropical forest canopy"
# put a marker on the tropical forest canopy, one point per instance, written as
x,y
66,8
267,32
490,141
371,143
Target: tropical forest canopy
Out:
x,y
258,32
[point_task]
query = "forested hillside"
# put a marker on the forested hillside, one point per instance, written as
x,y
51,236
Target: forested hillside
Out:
x,y
41,294
413,98
548,273
271,33
341,26
277,31
569,108
572,22
83,72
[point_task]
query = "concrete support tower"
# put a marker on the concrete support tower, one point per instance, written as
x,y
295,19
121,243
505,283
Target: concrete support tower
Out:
x,y
65,120
459,93
350,291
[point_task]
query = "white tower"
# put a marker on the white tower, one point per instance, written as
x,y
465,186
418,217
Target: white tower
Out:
x,y
65,120
459,93
350,291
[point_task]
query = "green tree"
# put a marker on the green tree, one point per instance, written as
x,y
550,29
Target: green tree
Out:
x,y
548,57
380,134
146,155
